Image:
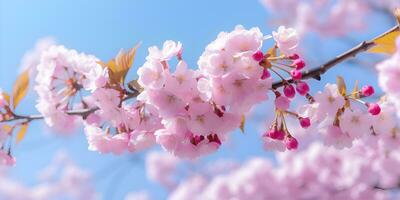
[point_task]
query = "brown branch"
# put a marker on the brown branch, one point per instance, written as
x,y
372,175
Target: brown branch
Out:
x,y
81,112
318,71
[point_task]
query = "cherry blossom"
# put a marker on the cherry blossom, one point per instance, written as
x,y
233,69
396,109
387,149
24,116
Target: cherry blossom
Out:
x,y
62,74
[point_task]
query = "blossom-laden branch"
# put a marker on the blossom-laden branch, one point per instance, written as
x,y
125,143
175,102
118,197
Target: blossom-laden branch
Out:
x,y
315,73
318,71
188,112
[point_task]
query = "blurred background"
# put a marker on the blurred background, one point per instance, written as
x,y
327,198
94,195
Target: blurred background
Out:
x,y
102,28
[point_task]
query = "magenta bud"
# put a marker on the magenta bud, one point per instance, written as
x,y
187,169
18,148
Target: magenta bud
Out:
x,y
302,88
289,91
299,64
304,122
296,74
291,143
374,109
367,90
258,56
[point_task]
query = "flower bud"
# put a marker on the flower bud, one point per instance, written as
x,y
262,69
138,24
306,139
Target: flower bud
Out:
x,y
299,64
367,90
296,74
374,108
302,88
291,143
289,91
304,122
258,56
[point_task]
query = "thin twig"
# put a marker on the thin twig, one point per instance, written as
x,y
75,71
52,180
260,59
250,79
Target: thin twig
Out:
x,y
81,112
318,71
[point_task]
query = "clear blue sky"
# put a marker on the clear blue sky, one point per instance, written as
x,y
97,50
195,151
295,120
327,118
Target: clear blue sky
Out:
x,y
101,28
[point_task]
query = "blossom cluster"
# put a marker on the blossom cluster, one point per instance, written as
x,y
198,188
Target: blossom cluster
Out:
x,y
388,71
61,179
319,172
189,112
340,119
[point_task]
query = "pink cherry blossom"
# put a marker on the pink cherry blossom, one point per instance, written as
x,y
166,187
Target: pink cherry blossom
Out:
x,y
355,123
287,40
62,74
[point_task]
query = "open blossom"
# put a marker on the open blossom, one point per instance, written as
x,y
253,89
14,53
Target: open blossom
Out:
x,y
199,108
287,40
339,125
62,74
388,73
32,58
62,179
161,167
104,142
317,172
355,123
152,75
169,50
126,128
329,101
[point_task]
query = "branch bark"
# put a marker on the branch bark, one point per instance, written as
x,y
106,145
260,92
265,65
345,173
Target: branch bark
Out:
x,y
318,71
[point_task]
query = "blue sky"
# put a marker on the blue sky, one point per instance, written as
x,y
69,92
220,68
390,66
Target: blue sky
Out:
x,y
101,28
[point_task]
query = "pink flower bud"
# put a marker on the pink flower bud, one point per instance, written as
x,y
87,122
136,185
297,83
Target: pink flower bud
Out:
x,y
289,91
294,56
258,56
304,122
367,90
265,74
296,74
374,108
282,103
291,143
275,134
302,88
299,64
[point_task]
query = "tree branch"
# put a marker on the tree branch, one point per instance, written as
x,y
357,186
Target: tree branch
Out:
x,y
318,71
81,112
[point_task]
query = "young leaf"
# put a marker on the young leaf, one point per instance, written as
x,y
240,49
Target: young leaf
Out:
x,y
341,85
20,88
386,43
120,65
21,133
242,123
